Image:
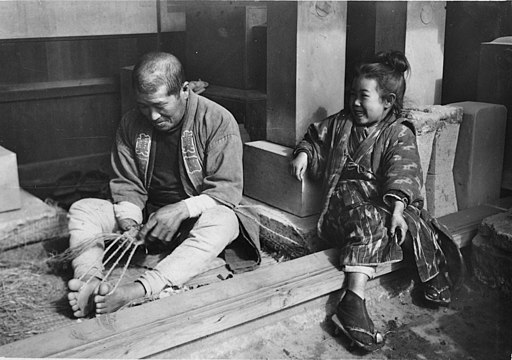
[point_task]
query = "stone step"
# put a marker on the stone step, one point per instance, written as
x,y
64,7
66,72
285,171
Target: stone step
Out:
x,y
491,265
498,229
35,221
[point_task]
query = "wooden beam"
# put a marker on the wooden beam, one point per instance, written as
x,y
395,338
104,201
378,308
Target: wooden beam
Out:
x,y
57,89
157,326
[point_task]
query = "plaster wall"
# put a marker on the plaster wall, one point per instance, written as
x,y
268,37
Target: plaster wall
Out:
x,y
424,48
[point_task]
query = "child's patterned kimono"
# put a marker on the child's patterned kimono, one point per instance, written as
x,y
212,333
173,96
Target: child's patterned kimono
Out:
x,y
364,169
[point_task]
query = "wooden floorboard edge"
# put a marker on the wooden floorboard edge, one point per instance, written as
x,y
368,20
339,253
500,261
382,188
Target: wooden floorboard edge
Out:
x,y
325,303
158,326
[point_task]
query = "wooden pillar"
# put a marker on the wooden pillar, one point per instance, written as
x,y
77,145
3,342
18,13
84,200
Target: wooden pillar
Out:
x,y
305,65
305,83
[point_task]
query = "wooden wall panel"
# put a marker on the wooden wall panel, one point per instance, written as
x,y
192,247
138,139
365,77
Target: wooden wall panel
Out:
x,y
27,61
50,129
36,18
59,97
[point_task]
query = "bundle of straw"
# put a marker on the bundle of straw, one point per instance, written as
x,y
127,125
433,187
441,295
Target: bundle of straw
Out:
x,y
25,294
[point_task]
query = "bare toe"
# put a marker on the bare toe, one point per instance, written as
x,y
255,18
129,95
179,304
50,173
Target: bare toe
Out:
x,y
75,284
81,295
103,289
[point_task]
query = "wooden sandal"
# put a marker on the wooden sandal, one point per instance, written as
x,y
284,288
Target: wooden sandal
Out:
x,y
437,291
377,339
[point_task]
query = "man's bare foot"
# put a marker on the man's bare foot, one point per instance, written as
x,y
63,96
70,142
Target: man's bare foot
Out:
x,y
107,303
81,296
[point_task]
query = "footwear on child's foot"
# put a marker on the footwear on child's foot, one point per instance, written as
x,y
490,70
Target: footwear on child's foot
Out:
x,y
352,318
437,290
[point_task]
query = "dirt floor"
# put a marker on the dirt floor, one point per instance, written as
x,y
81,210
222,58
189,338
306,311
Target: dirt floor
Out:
x,y
477,325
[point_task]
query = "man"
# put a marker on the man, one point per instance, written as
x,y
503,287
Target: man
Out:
x,y
178,165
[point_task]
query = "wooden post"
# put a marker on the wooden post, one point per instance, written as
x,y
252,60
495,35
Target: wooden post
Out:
x,y
305,83
305,66
424,48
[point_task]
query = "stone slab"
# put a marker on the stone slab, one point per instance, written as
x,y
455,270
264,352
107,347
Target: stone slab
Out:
x,y
492,266
427,118
425,142
440,194
267,178
34,221
477,170
9,182
435,126
443,149
498,229
285,234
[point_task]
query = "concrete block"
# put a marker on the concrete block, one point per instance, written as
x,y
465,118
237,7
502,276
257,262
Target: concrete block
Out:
x,y
440,192
491,265
267,179
479,155
9,181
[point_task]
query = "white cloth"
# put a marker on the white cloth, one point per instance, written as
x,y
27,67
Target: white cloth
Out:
x,y
215,229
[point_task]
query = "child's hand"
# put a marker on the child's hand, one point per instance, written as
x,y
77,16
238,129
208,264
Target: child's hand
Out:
x,y
398,227
299,165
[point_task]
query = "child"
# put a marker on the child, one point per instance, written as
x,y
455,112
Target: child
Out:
x,y
370,166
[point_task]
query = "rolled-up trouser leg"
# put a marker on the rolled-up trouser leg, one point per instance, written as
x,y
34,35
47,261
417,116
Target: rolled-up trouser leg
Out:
x,y
367,270
87,219
215,229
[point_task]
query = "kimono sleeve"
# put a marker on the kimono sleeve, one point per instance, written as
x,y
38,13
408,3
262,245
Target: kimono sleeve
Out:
x,y
128,184
401,166
223,179
317,145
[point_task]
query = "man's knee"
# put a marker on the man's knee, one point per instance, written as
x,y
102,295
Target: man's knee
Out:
x,y
220,218
90,210
88,205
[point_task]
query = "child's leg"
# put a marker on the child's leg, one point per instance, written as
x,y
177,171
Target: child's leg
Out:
x,y
215,229
87,219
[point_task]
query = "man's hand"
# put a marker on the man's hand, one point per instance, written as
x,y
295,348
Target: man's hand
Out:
x,y
164,223
126,224
299,165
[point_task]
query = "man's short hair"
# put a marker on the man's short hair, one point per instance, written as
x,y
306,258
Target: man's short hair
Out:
x,y
155,69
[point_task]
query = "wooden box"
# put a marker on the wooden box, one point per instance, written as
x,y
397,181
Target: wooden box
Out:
x,y
9,182
267,178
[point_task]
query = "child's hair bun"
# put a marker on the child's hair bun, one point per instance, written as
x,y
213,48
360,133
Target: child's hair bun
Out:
x,y
396,60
